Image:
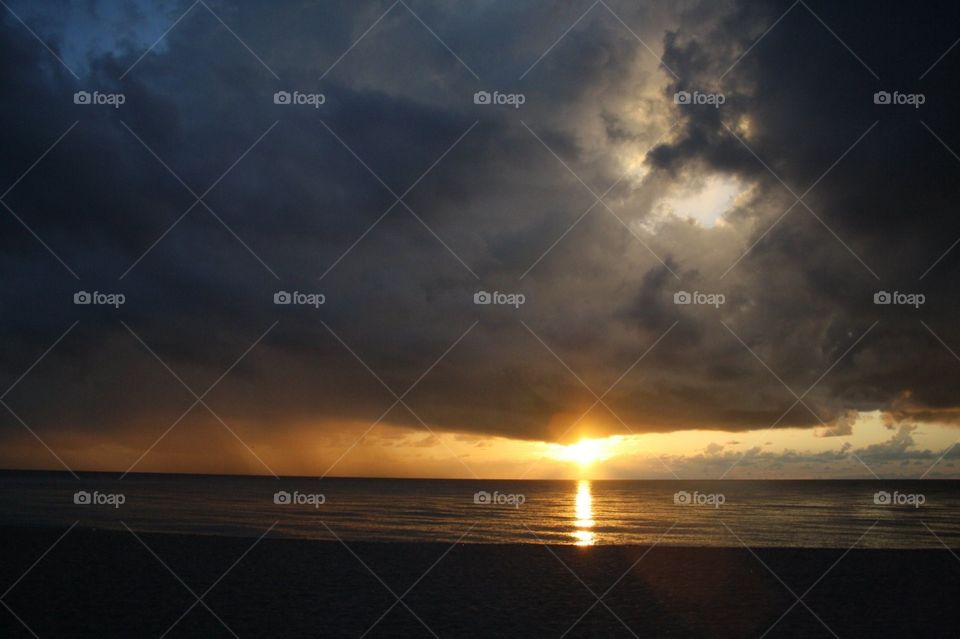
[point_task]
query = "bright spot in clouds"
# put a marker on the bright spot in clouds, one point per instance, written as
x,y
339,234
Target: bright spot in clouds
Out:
x,y
705,201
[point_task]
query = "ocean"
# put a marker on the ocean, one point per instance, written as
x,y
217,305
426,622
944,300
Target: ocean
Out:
x,y
734,513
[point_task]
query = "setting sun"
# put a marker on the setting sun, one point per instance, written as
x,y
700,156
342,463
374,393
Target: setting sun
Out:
x,y
586,451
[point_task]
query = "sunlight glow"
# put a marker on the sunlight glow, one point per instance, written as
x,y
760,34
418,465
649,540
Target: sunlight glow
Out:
x,y
586,451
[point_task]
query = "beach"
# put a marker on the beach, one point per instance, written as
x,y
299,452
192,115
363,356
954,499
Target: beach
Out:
x,y
108,583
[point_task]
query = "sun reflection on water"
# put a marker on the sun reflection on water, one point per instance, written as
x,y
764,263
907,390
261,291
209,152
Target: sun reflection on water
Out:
x,y
584,515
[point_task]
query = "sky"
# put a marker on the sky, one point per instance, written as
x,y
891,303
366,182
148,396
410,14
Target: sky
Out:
x,y
586,168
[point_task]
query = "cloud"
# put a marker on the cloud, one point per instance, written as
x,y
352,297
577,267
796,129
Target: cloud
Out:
x,y
841,427
599,281
900,447
898,456
713,448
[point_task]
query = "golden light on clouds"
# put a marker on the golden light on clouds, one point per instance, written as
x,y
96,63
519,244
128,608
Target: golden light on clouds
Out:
x,y
354,450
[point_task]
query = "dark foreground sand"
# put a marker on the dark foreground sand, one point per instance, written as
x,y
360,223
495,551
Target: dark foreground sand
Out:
x,y
106,584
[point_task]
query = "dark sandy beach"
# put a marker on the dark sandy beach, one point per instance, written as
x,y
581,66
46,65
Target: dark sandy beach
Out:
x,y
106,584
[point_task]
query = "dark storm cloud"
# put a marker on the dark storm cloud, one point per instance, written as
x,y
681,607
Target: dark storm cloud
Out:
x,y
806,100
498,201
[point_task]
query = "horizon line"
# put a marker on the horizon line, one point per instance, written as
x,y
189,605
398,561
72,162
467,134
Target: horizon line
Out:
x,y
470,479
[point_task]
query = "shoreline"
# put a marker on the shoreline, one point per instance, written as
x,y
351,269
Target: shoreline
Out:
x,y
329,539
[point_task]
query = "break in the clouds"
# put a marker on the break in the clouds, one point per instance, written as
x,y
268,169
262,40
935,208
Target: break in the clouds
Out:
x,y
782,196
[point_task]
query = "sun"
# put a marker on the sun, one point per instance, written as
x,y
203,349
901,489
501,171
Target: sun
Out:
x,y
586,451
